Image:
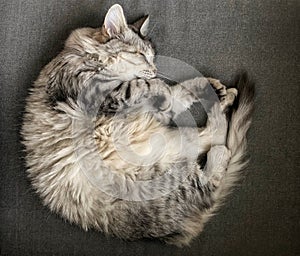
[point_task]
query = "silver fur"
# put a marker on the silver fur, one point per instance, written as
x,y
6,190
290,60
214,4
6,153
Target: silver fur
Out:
x,y
104,80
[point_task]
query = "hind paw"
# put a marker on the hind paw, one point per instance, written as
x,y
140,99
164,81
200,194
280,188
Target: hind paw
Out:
x,y
229,98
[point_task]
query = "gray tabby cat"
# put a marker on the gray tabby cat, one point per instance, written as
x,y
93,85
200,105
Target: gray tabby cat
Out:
x,y
96,105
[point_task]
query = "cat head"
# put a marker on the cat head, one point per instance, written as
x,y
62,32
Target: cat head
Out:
x,y
122,49
115,52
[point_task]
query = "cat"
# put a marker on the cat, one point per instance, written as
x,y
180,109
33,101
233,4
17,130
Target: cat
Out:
x,y
100,147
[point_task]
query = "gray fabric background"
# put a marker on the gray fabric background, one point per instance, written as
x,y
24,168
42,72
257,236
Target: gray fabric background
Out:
x,y
216,37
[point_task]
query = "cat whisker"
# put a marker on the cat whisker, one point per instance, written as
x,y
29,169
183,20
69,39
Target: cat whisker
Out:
x,y
164,76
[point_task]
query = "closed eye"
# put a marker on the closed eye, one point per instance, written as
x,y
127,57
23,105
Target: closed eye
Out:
x,y
147,58
137,53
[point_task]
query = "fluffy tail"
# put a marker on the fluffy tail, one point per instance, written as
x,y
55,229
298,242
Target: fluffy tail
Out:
x,y
238,127
236,140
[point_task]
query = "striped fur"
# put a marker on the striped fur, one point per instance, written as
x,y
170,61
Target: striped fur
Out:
x,y
101,153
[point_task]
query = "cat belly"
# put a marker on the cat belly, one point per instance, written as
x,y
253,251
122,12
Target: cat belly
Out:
x,y
132,146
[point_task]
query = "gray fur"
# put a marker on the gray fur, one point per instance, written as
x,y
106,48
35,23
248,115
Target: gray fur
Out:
x,y
104,79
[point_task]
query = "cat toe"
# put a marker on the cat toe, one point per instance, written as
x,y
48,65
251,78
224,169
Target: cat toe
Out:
x,y
219,88
229,99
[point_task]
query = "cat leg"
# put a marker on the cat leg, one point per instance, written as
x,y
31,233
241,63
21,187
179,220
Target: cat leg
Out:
x,y
226,96
155,95
187,93
215,131
199,89
177,99
217,161
152,95
195,141
163,101
201,187
199,191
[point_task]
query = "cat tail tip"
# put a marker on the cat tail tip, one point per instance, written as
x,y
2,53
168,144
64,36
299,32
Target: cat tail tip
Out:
x,y
246,90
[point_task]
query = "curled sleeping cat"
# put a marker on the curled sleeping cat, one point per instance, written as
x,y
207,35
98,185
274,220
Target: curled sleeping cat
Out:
x,y
100,148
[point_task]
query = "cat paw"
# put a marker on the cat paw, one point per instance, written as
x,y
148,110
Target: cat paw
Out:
x,y
226,96
218,158
110,106
218,87
230,97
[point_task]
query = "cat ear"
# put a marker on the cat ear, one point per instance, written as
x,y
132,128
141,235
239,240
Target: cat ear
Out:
x,y
115,22
142,25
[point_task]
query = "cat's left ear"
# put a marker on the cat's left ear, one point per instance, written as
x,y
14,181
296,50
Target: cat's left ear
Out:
x,y
142,26
115,22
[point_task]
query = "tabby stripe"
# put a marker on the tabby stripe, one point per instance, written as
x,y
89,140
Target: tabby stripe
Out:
x,y
148,85
128,92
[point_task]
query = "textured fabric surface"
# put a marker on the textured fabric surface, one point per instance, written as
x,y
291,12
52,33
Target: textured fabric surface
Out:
x,y
261,217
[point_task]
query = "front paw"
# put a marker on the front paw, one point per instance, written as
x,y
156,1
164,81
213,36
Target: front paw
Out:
x,y
226,96
109,106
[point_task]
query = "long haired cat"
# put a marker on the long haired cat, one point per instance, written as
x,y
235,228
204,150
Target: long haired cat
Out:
x,y
100,147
